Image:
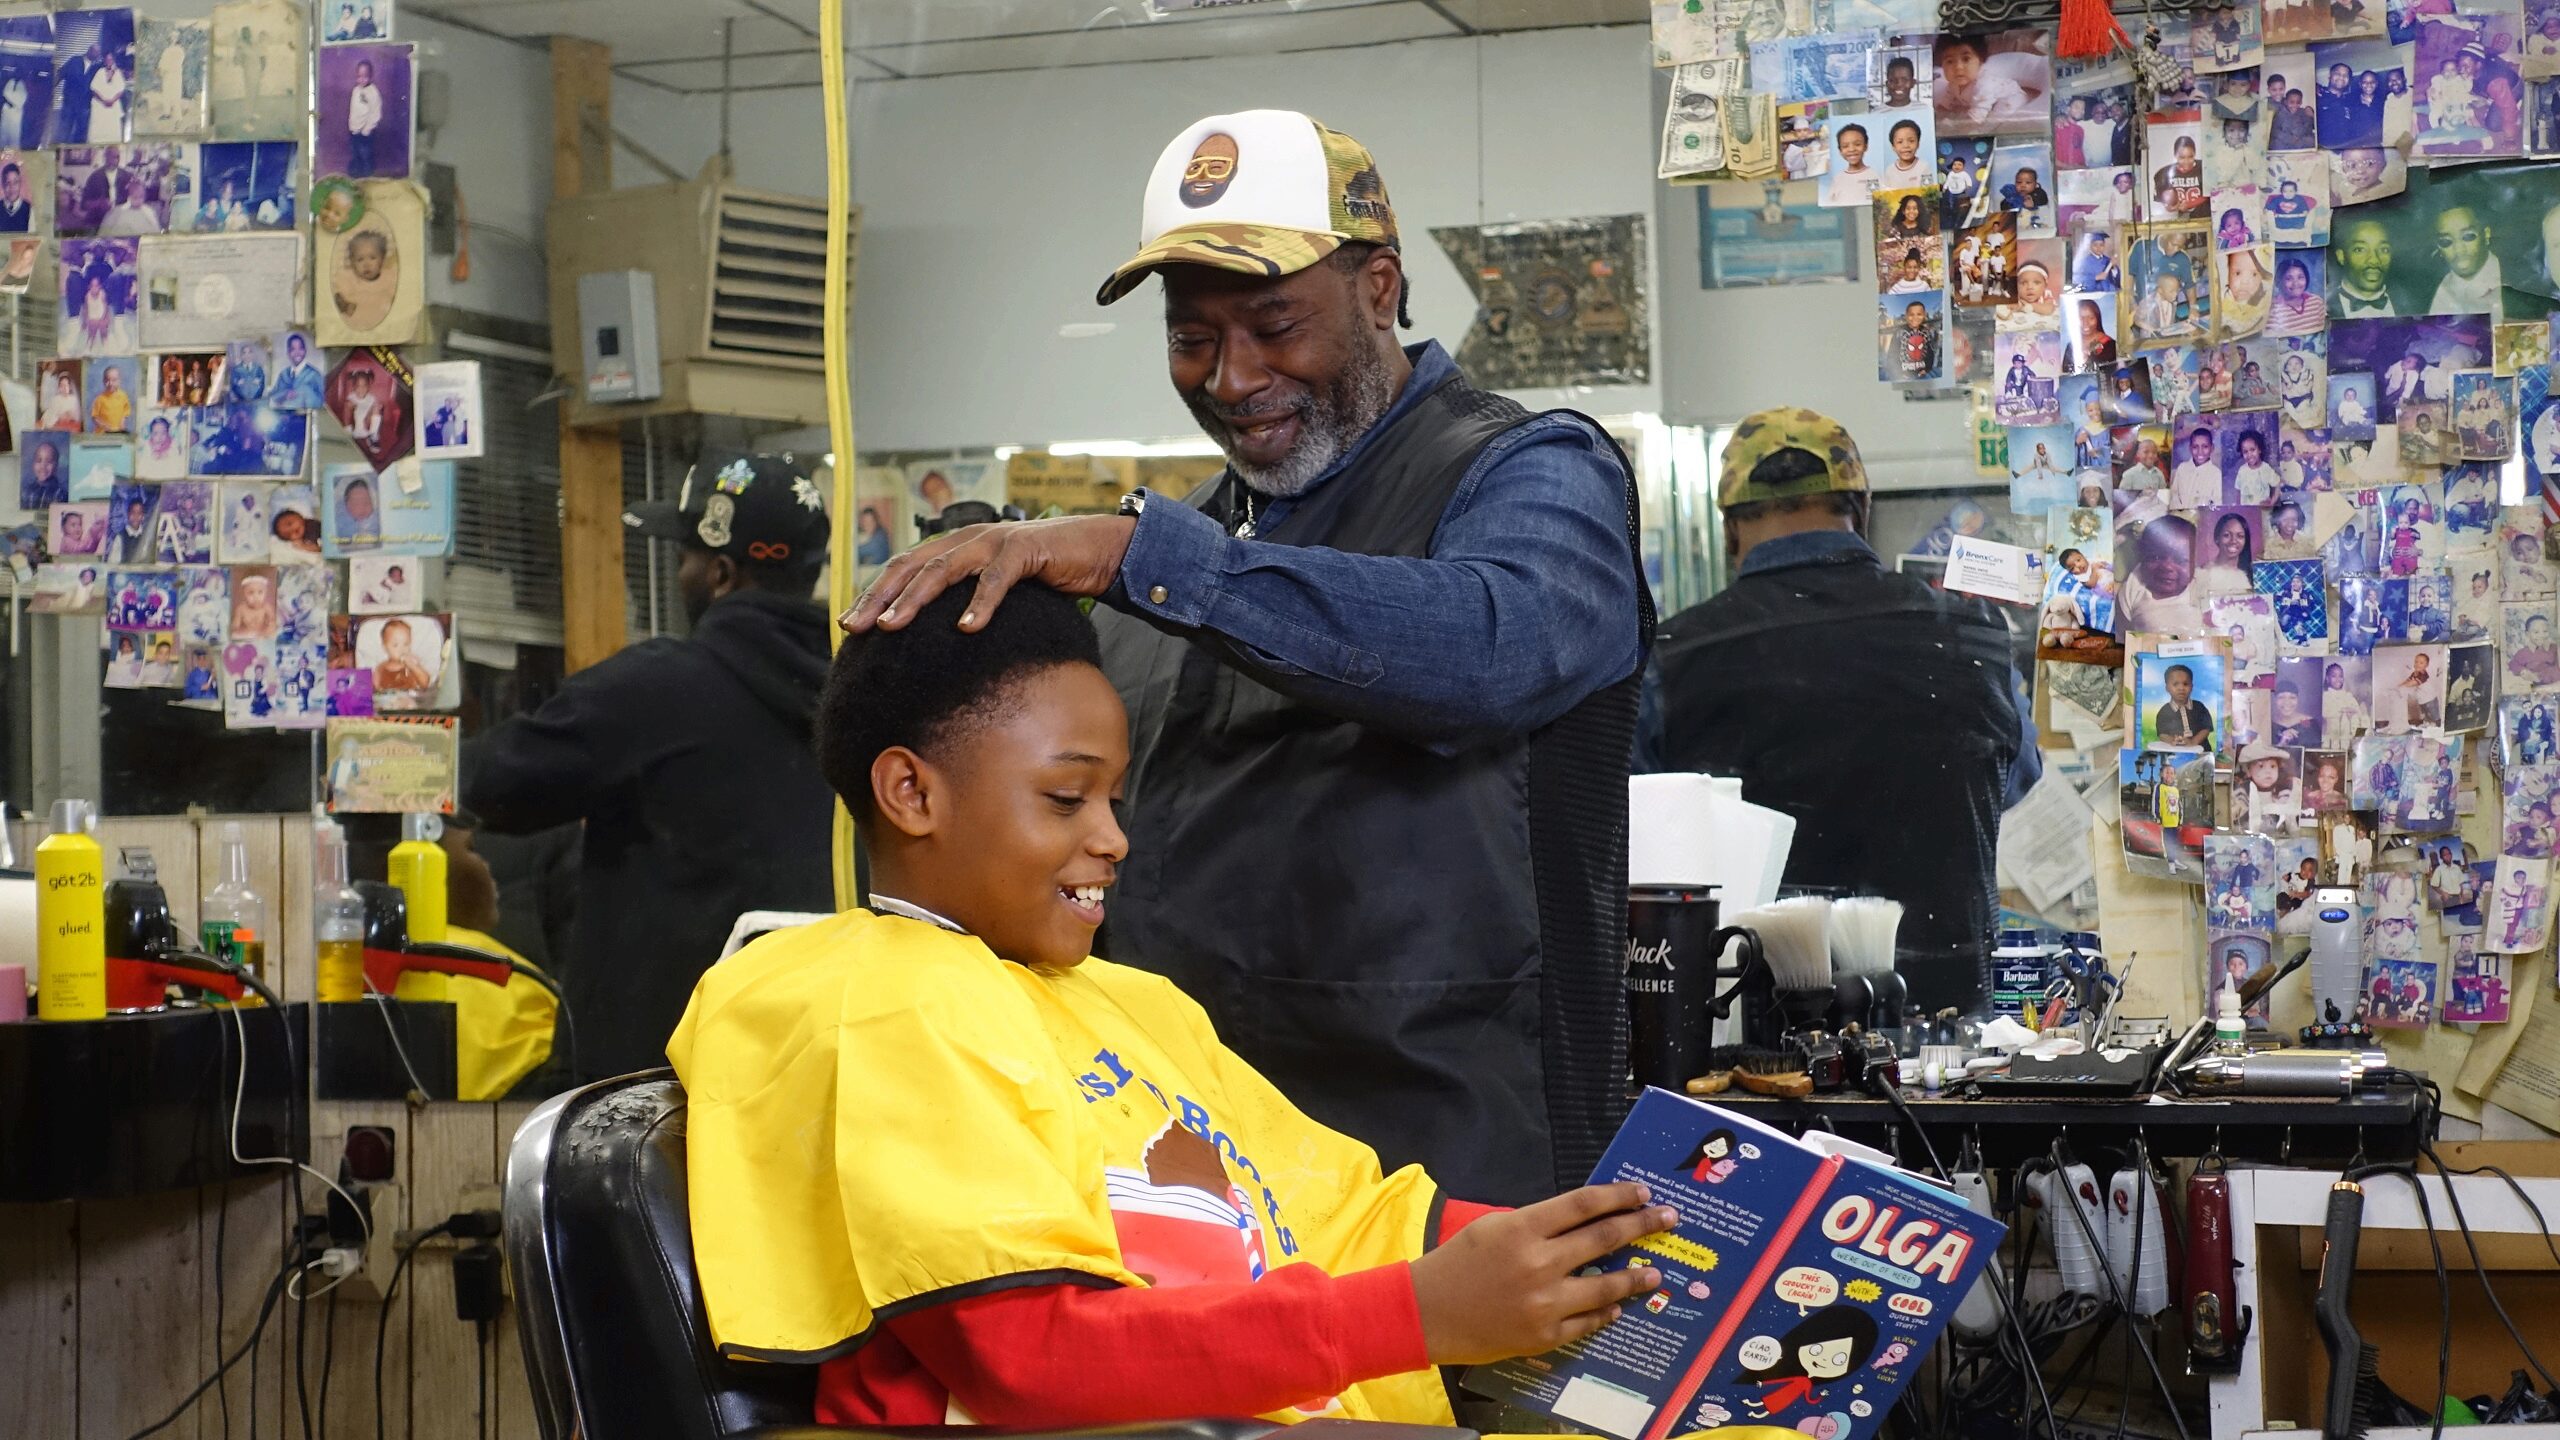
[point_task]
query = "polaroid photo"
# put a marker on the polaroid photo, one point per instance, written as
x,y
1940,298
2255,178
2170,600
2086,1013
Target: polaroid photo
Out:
x,y
2425,433
2542,119
2181,695
204,605
2243,288
2392,908
2470,687
298,382
2093,128
68,588
171,61
2301,603
2324,787
408,657
365,104
2227,548
19,190
142,599
376,275
93,77
2358,177
1965,194
26,76
2518,910
2240,883
2246,725
100,464
248,685
2179,190
2470,504
108,389
2363,614
1804,144
2247,621
247,441
2479,990
2092,330
342,21
1911,339
383,584
293,526
2301,367
371,393
2233,95
2293,719
2288,529
2352,407
2526,730
2125,393
2411,529
2365,97
2140,457
2519,346
2408,688
125,658
2533,661
189,379
2467,108
2475,596
2525,572
2029,367
2096,257
243,186
2165,803
2169,273
1984,259
2305,462
2247,447
2399,994
182,533
2038,478
160,449
260,55
1904,265
448,407
2267,798
78,529
2235,158
407,511
2484,415
100,297
254,612
242,536
2298,308
2529,796
2298,209
2037,269
2444,868
1999,84
58,403
2285,92
116,189
2021,175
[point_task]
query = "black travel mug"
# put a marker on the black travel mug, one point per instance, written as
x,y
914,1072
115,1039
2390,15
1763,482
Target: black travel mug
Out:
x,y
1673,944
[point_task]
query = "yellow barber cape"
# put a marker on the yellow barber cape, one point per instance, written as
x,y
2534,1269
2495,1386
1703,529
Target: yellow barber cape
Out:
x,y
882,1114
501,1033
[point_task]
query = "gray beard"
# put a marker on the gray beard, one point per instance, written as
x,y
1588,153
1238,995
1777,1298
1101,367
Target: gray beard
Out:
x,y
1333,420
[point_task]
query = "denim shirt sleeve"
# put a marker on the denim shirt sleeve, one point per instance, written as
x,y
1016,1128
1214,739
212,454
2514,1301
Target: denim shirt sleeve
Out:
x,y
1526,604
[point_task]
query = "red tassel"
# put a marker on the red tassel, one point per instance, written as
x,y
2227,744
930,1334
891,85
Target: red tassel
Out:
x,y
2089,28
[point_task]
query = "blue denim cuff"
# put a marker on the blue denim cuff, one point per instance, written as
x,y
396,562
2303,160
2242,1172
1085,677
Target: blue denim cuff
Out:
x,y
1171,571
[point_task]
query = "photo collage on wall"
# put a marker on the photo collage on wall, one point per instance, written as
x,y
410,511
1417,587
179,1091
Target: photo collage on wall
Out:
x,y
182,195
2259,326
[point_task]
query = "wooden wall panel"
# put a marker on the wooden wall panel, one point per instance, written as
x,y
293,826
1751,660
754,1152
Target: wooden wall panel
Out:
x,y
108,1309
140,1310
40,1317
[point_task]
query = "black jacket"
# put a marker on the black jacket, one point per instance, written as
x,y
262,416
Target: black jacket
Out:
x,y
691,763
1877,712
1425,951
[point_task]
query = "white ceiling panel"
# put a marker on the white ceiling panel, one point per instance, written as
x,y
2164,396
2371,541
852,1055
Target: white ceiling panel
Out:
x,y
1236,33
677,43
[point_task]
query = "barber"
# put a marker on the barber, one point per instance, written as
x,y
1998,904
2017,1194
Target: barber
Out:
x,y
1874,710
1381,674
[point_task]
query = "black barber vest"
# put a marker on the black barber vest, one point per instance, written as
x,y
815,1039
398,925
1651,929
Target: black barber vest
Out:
x,y
1424,952
1877,712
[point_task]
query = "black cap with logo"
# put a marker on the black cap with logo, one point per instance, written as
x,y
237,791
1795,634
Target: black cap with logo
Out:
x,y
759,510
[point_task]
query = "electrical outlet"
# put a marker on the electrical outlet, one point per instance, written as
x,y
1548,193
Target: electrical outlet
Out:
x,y
382,1248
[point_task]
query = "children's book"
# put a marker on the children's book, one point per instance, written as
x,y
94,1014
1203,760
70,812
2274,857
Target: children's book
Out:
x,y
1800,1289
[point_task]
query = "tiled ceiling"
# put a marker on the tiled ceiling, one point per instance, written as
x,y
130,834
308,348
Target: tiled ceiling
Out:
x,y
678,44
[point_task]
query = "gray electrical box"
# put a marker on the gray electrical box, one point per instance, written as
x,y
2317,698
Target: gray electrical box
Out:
x,y
618,336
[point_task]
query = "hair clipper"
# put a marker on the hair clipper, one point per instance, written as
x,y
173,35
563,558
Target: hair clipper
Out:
x,y
2137,1245
1978,1317
2217,1326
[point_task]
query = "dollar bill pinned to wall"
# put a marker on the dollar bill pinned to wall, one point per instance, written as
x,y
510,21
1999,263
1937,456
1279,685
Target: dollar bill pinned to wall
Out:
x,y
1693,128
1688,31
1751,137
1813,67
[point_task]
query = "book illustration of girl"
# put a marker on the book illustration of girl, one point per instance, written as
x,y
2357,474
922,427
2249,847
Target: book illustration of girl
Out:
x,y
1820,1349
1714,1159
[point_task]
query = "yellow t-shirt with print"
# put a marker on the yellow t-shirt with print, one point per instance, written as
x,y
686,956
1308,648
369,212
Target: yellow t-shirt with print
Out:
x,y
881,1111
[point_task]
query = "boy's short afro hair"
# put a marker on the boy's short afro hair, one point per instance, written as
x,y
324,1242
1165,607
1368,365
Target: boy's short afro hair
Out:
x,y
928,682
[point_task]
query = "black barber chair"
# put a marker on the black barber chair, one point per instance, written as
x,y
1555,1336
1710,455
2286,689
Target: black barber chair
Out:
x,y
616,1346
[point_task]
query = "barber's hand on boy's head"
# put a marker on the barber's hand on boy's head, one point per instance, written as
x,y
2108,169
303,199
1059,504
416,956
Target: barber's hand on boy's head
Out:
x,y
1076,554
1506,1285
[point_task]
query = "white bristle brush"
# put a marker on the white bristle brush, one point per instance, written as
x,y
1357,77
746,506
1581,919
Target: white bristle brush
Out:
x,y
1795,935
1863,928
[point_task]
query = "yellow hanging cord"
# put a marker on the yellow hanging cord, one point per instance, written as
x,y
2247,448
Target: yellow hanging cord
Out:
x,y
839,363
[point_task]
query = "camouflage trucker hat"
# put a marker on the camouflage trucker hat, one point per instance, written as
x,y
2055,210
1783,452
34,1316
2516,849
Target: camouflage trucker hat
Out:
x,y
1260,192
1789,427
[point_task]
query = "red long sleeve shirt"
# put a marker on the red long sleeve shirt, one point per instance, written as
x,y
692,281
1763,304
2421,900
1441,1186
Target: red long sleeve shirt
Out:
x,y
1060,1355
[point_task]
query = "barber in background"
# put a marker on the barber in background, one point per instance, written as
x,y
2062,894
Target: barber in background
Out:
x,y
1876,711
1381,679
690,762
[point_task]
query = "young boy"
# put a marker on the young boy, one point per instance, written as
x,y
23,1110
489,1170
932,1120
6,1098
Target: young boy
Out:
x,y
976,1176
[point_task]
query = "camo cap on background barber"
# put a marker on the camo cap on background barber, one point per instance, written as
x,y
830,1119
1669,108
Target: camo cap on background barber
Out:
x,y
759,510
1789,427
1260,192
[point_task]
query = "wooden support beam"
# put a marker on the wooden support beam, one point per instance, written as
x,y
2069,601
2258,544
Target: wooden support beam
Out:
x,y
593,599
